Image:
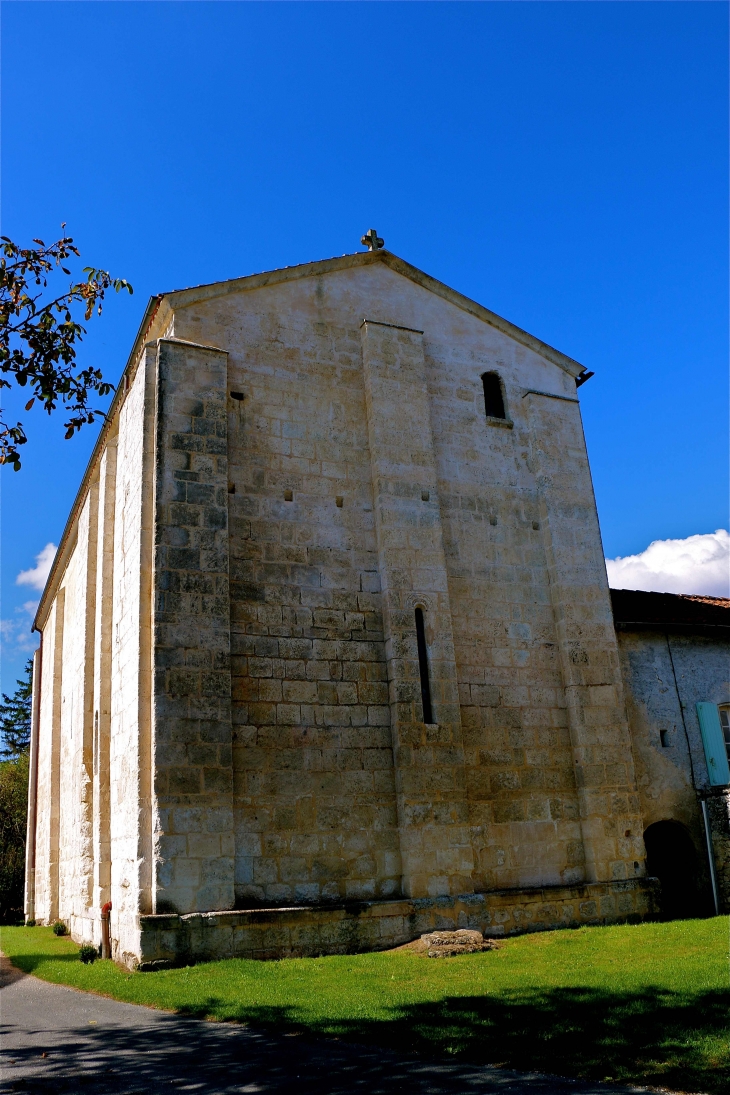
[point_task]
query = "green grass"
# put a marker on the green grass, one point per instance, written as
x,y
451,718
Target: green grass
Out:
x,y
647,1003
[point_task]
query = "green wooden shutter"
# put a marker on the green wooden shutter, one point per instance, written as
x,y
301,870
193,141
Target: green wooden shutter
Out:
x,y
714,743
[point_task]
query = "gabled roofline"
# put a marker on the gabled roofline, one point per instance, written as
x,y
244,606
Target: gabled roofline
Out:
x,y
163,305
183,298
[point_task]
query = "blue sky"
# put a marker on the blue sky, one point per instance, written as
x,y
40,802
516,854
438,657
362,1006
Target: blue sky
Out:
x,y
565,164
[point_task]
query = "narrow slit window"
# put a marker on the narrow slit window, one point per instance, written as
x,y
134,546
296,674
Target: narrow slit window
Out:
x,y
423,667
493,396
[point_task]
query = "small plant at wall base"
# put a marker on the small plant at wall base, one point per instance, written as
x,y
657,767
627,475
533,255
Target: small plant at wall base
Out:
x,y
59,928
38,339
88,953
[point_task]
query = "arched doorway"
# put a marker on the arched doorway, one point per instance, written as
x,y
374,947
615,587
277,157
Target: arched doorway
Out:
x,y
671,857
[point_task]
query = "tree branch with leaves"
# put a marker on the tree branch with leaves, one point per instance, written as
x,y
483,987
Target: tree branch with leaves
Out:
x,y
38,339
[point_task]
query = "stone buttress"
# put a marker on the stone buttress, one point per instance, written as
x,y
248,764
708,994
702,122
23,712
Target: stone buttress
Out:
x,y
194,851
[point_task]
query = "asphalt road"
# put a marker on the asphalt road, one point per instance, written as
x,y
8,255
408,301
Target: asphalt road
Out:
x,y
57,1041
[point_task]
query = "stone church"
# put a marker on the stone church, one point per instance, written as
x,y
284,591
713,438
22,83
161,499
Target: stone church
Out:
x,y
329,657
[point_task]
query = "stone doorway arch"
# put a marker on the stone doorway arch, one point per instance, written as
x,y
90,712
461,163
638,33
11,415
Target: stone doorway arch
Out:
x,y
672,858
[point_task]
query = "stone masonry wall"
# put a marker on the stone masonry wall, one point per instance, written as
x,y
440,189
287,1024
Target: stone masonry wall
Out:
x,y
437,856
521,793
666,675
526,595
102,662
130,750
194,852
379,925
315,810
94,831
64,849
610,817
294,471
48,787
75,760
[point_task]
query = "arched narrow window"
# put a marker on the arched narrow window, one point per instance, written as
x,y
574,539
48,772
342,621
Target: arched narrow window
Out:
x,y
423,667
493,396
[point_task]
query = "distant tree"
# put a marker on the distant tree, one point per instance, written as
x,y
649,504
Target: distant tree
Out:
x,y
38,339
13,818
15,713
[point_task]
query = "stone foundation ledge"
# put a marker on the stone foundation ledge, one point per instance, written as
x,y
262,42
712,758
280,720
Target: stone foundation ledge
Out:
x,y
312,931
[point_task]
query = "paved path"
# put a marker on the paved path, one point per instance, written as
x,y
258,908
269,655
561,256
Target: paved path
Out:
x,y
58,1041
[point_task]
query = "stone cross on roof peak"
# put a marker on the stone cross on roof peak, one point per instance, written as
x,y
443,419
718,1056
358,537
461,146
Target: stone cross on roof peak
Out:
x,y
372,240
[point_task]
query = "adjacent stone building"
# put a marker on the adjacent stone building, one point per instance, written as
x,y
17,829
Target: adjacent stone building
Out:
x,y
328,656
675,662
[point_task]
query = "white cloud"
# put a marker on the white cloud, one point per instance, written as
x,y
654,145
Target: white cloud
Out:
x,y
15,634
700,565
38,575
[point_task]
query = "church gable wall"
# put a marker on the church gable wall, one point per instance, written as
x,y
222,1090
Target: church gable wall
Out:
x,y
234,690
302,426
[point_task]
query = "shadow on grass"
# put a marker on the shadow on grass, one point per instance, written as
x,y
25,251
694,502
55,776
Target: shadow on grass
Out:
x,y
679,1041
28,963
676,1040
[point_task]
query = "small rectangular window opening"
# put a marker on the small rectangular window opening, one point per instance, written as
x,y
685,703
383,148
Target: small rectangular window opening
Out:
x,y
423,667
493,396
725,724
664,738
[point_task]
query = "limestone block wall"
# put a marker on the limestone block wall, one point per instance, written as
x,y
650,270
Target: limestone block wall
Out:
x,y
436,850
48,785
521,793
75,866
610,817
102,684
130,759
64,845
378,925
504,512
194,843
94,829
231,711
315,809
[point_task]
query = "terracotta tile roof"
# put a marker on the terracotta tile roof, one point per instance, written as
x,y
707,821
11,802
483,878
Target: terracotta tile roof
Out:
x,y
723,602
684,611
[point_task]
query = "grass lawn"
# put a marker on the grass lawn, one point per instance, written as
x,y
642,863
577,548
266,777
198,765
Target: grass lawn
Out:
x,y
647,1003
